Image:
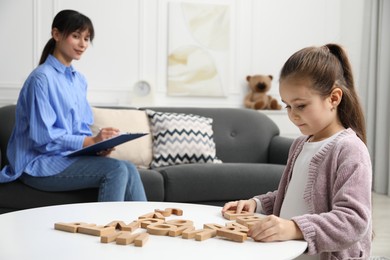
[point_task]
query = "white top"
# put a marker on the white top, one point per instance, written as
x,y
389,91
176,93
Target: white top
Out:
x,y
294,204
30,234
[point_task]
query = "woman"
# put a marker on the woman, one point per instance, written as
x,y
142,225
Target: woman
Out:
x,y
53,118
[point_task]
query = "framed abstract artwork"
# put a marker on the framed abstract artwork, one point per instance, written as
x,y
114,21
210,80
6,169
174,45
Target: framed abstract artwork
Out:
x,y
199,57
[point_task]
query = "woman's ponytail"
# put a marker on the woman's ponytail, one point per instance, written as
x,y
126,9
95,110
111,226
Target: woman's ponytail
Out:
x,y
48,49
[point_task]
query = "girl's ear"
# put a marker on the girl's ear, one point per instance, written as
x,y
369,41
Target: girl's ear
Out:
x,y
335,96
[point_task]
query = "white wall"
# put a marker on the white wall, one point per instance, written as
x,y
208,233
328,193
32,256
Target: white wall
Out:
x,y
131,43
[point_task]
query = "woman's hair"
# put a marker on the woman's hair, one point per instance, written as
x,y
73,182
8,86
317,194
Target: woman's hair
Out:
x,y
326,67
67,22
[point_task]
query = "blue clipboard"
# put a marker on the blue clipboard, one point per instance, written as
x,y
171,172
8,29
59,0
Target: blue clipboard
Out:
x,y
106,144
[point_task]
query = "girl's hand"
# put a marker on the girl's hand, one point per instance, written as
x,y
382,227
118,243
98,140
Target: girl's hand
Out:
x,y
240,205
273,228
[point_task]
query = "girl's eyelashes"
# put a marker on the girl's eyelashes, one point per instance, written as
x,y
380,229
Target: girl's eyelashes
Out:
x,y
296,107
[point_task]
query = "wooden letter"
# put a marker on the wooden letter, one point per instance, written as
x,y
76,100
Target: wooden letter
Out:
x,y
175,211
237,226
95,230
179,230
111,237
180,222
232,215
232,234
158,215
147,221
141,239
165,213
147,215
71,227
125,238
188,234
205,234
213,226
160,229
247,220
132,226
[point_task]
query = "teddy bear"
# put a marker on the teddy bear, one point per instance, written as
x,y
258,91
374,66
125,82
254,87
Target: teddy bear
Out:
x,y
257,97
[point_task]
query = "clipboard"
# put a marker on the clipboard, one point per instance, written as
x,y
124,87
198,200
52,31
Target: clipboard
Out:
x,y
106,144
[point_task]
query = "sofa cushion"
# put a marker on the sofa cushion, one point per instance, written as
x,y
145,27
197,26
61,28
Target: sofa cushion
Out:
x,y
16,195
240,135
138,151
181,138
219,182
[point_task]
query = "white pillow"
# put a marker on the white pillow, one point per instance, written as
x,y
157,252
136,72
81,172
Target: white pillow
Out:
x,y
181,138
138,151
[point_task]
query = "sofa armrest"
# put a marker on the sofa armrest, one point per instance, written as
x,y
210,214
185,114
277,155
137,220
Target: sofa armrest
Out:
x,y
279,149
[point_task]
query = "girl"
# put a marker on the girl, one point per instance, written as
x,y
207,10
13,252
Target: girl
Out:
x,y
324,195
53,119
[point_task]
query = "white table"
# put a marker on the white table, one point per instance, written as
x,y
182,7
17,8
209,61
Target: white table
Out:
x,y
30,234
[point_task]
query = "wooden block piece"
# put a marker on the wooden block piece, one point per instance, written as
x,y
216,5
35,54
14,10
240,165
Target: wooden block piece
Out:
x,y
147,215
205,234
158,215
160,229
145,222
189,234
175,211
71,227
245,220
141,239
180,222
250,224
179,230
120,225
237,226
95,230
232,215
213,226
152,215
110,237
232,234
165,213
125,238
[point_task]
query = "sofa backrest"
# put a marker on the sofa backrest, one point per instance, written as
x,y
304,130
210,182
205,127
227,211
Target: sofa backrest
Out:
x,y
240,135
7,118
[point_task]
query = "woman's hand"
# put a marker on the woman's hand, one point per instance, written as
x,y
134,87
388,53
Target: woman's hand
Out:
x,y
240,205
105,152
104,133
273,228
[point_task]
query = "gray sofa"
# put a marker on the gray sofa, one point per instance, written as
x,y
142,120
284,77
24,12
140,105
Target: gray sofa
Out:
x,y
248,143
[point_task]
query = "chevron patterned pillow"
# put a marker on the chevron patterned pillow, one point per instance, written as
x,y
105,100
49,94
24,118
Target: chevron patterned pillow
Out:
x,y
181,138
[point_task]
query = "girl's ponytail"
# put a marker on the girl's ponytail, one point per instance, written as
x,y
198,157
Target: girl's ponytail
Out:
x,y
350,110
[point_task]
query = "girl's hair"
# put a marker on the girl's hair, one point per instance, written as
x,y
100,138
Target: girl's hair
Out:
x,y
326,67
67,22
